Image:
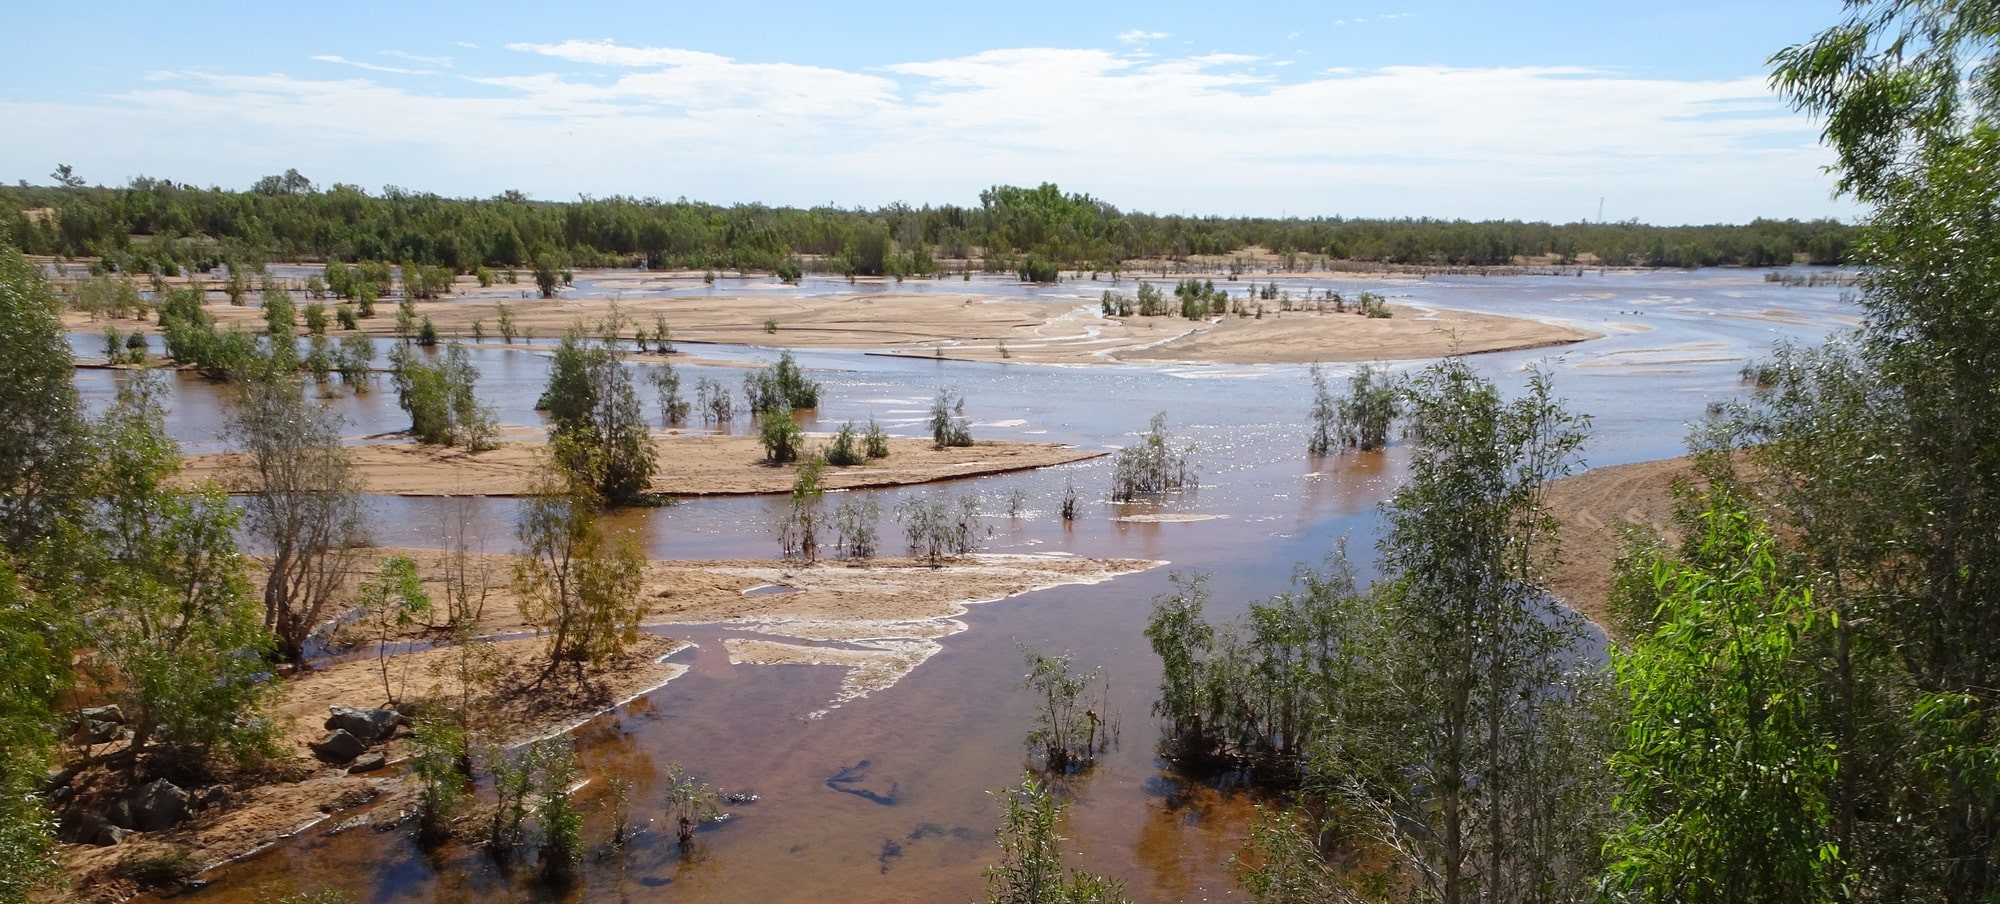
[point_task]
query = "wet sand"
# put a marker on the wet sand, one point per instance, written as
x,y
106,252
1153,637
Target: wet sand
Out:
x,y
876,620
944,324
690,464
1593,509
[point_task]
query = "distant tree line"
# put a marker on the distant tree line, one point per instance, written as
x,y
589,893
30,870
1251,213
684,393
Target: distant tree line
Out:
x,y
151,225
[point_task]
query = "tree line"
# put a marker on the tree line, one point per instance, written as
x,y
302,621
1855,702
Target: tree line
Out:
x,y
150,225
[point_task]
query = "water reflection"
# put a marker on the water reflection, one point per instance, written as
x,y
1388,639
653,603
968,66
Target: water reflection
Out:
x,y
952,730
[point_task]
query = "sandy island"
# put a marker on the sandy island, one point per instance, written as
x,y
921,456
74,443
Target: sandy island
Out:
x,y
1593,509
877,620
691,464
944,324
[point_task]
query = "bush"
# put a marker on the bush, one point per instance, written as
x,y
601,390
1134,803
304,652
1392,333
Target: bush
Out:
x,y
877,441
937,526
841,452
346,317
1035,268
948,427
781,384
780,435
854,522
798,532
1151,465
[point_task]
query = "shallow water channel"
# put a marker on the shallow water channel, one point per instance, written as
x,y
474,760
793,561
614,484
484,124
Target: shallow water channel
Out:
x,y
885,797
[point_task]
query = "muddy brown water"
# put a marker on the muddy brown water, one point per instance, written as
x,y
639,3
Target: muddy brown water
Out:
x,y
886,798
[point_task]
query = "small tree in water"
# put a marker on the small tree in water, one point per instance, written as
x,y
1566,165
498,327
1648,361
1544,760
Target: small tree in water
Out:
x,y
798,532
1070,729
1151,465
576,581
948,427
1030,870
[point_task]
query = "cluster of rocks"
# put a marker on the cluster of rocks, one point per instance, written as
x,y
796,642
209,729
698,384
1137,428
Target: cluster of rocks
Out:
x,y
155,806
351,731
99,725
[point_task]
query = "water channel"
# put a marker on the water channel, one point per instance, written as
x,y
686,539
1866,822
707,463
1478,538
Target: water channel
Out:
x,y
929,748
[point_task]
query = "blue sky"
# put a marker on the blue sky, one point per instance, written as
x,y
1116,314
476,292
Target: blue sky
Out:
x,y
1379,108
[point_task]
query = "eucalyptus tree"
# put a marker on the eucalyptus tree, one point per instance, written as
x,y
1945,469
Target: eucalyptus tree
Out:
x,y
301,500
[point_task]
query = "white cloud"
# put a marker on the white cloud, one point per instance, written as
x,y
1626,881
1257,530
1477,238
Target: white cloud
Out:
x,y
441,62
1210,133
371,67
1141,36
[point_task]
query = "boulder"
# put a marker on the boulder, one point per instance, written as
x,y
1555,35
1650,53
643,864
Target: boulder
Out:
x,y
95,731
109,835
368,762
110,713
372,726
159,805
337,747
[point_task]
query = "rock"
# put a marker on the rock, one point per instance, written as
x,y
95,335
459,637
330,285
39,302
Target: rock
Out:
x,y
372,726
95,731
82,828
120,814
109,835
109,713
159,805
337,747
368,762
211,796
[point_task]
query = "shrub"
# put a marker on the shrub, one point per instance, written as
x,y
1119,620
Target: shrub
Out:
x,y
780,435
1151,465
842,452
948,427
781,384
876,441
854,522
937,526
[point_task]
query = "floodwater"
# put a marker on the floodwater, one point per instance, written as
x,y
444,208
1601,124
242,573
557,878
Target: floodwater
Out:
x,y
910,817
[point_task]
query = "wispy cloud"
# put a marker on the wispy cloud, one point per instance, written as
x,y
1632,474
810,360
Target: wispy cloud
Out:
x,y
1141,36
441,62
1211,132
371,67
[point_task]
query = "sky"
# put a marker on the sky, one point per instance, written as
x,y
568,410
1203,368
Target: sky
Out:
x,y
1555,111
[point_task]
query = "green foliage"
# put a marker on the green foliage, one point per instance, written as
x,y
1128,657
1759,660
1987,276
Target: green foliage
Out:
x,y
780,435
33,671
667,384
690,802
393,601
1151,303
1071,729
301,499
548,274
439,397
782,384
1030,870
343,223
180,639
1037,269
556,814
948,424
1728,767
356,357
1115,304
876,441
854,525
843,451
316,319
1359,419
593,406
938,526
577,582
345,316
798,531
713,400
1152,465
438,754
